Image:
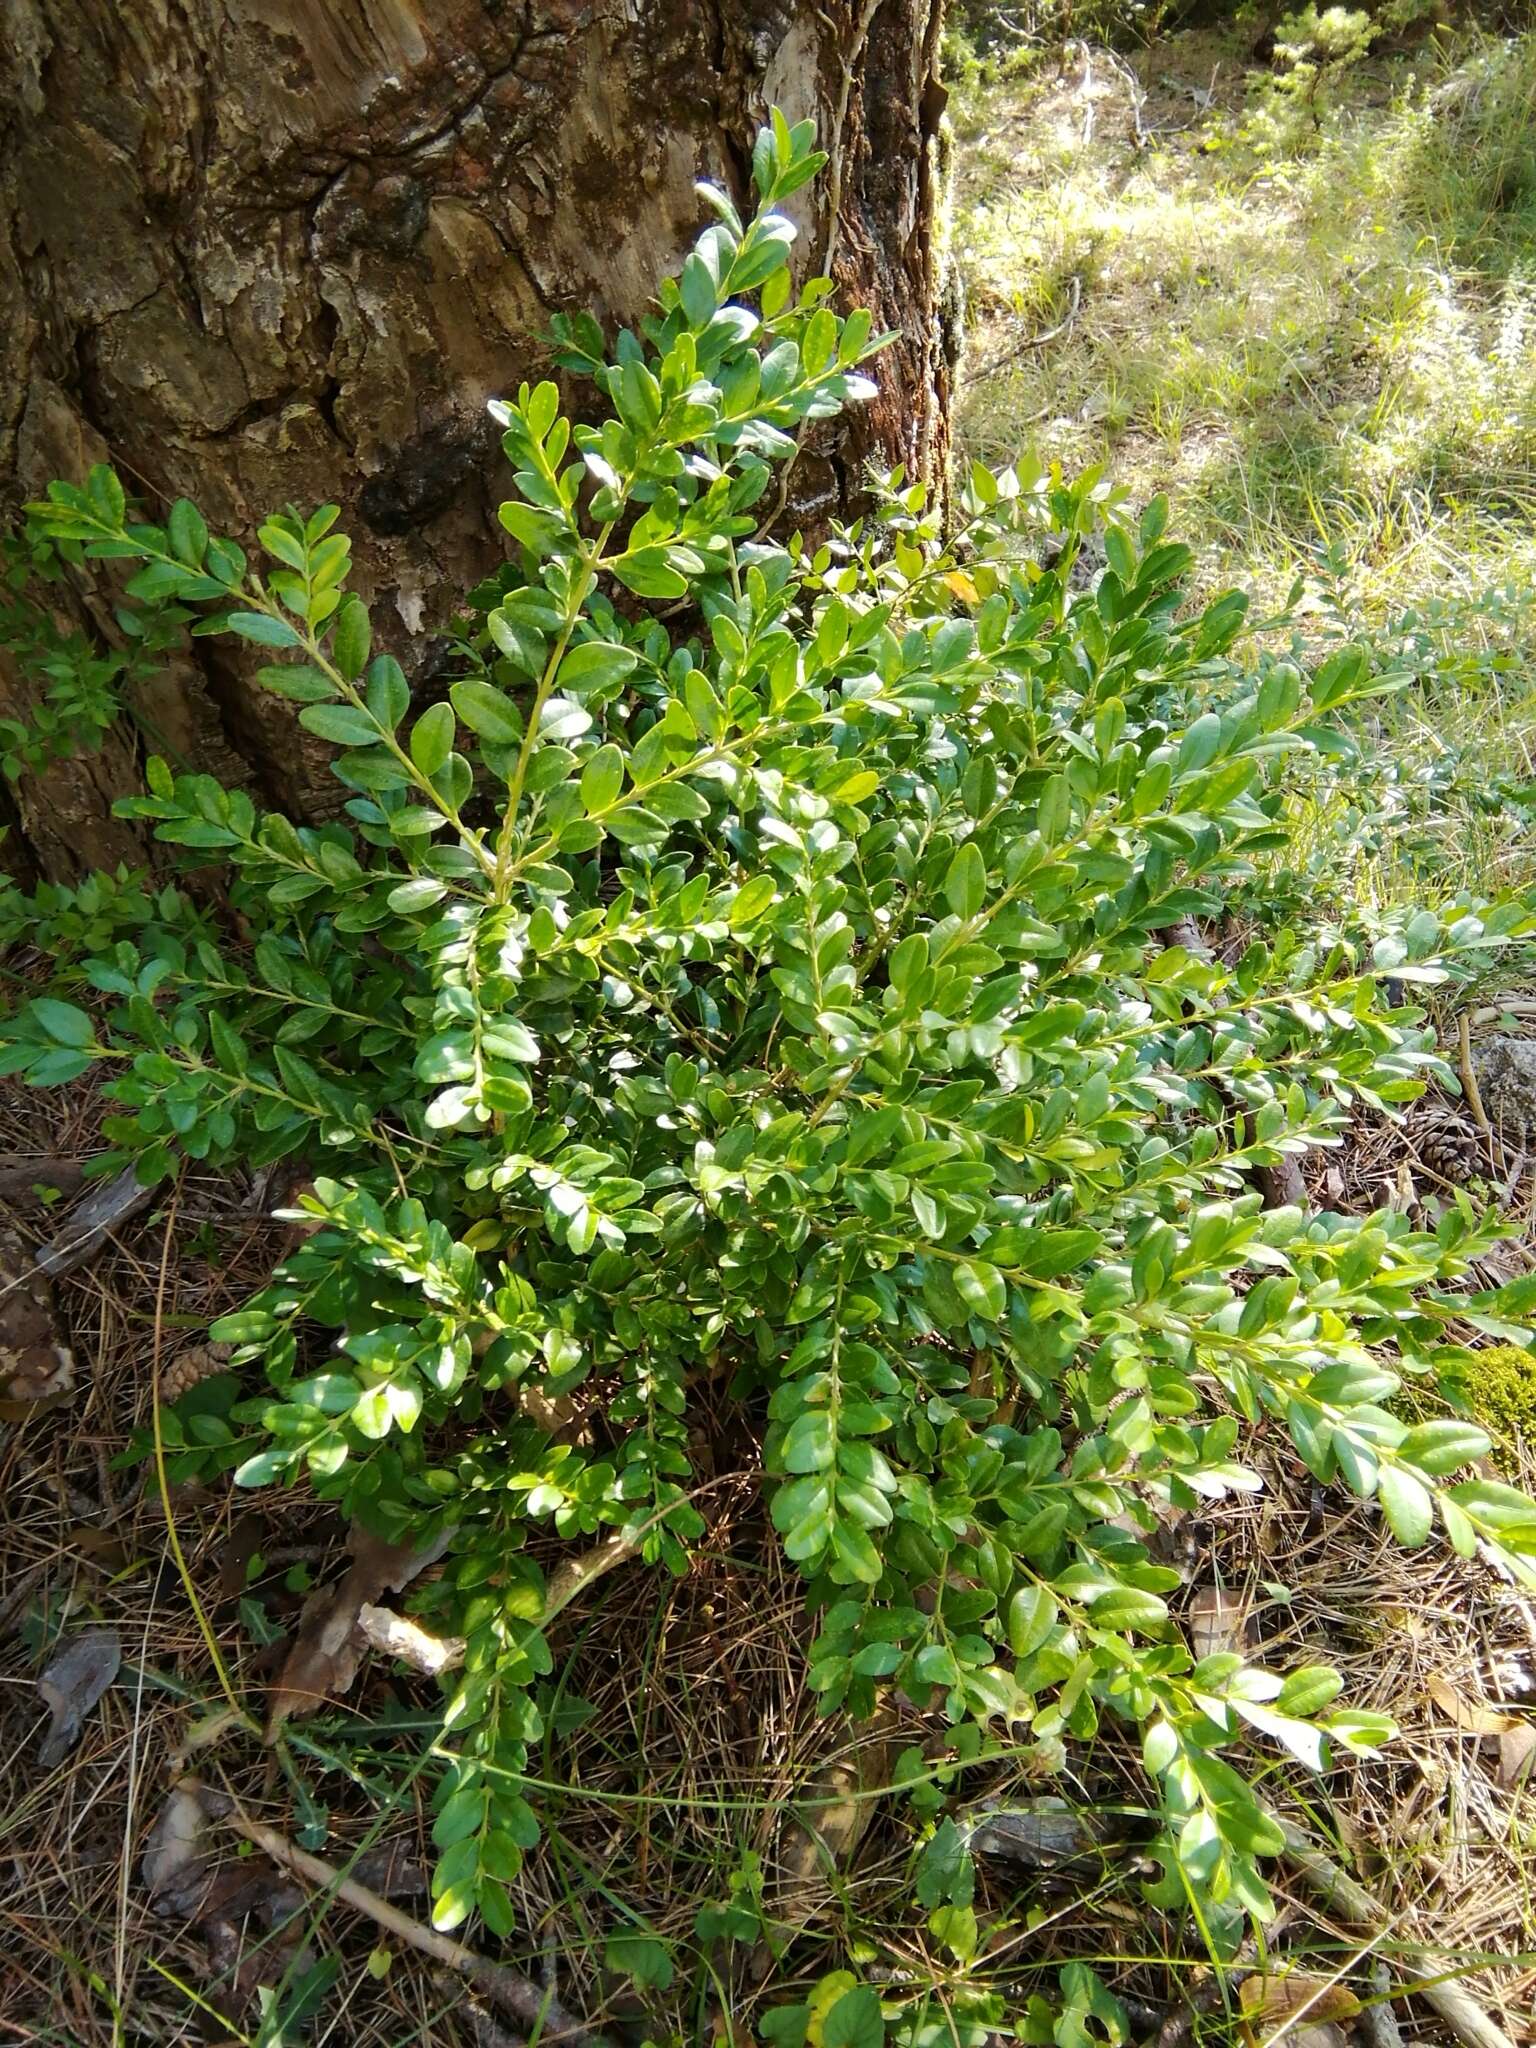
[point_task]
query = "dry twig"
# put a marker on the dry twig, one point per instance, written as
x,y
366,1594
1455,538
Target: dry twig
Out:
x,y
1469,1077
516,1995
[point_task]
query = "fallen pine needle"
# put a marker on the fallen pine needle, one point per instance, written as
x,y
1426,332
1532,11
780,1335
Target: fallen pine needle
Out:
x,y
163,1485
1328,1883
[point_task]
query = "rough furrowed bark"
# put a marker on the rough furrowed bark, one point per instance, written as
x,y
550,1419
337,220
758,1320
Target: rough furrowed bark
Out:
x,y
267,251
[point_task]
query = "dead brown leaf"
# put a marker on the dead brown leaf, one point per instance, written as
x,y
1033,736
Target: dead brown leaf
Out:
x,y
246,1535
1274,2000
28,1411
243,1907
174,1866
71,1686
22,1172
1042,1834
101,1546
1471,1716
391,1870
329,1645
1517,1753
1217,1623
725,2032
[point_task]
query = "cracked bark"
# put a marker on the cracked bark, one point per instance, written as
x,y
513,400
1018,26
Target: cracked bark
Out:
x,y
268,251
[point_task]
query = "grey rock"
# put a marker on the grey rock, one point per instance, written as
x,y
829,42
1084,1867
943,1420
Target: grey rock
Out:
x,y
1505,1069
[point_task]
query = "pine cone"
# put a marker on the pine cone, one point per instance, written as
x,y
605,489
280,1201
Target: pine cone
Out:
x,y
190,1368
1449,1146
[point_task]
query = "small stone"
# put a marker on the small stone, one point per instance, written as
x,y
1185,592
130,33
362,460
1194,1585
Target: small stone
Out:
x,y
1505,1070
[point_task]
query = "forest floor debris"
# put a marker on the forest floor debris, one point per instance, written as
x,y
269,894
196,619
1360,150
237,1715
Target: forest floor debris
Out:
x,y
683,1741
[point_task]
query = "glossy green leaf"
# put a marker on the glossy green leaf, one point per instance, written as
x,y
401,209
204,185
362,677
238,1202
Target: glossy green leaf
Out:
x,y
487,711
965,882
341,724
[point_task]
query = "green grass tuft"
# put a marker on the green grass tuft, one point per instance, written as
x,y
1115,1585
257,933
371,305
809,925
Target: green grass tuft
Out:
x,y
1315,331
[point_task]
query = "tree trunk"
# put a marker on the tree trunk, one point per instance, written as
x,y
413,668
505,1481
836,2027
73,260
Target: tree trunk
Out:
x,y
261,252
